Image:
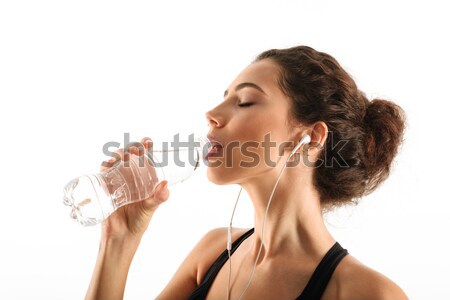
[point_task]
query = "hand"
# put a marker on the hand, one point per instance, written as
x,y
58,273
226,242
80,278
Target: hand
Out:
x,y
132,220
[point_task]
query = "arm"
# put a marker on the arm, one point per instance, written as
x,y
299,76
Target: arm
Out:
x,y
111,270
121,234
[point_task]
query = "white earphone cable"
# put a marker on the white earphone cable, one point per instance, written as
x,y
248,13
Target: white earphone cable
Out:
x,y
262,232
306,139
229,243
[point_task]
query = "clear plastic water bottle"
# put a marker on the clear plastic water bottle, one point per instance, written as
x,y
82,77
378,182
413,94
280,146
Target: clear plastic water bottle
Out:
x,y
93,197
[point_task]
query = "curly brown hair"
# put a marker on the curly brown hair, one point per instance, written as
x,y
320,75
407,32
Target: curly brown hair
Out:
x,y
321,90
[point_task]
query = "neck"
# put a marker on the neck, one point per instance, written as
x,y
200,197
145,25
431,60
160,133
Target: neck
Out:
x,y
294,223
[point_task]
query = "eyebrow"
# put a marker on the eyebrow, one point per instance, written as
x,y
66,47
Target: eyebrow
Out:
x,y
244,85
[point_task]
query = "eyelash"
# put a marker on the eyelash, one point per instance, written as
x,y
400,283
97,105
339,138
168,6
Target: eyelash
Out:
x,y
245,104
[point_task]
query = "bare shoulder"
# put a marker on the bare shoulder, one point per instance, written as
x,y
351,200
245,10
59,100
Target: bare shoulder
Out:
x,y
192,270
354,280
213,243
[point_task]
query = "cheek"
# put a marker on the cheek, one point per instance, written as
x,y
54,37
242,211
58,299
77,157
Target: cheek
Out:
x,y
243,159
255,154
257,122
253,130
268,137
245,162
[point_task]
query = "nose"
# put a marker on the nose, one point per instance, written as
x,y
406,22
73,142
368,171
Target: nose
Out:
x,y
214,120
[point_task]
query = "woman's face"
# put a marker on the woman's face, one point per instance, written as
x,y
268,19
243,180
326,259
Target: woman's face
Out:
x,y
251,123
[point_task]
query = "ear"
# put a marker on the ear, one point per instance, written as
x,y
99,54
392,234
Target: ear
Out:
x,y
318,133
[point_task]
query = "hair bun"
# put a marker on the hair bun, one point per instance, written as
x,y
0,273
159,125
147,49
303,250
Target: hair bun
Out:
x,y
384,124
369,132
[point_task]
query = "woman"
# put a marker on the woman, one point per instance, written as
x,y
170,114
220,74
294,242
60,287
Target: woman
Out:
x,y
284,95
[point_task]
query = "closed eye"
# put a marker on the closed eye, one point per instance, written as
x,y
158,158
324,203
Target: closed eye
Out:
x,y
245,104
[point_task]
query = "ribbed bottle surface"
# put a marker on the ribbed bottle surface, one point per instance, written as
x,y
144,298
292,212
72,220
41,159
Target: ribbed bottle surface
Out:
x,y
92,198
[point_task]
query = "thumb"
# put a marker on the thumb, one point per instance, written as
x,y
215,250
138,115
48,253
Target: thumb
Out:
x,y
161,195
162,192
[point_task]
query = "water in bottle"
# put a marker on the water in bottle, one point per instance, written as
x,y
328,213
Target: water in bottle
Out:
x,y
93,197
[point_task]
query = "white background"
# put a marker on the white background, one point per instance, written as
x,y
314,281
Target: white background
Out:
x,y
76,74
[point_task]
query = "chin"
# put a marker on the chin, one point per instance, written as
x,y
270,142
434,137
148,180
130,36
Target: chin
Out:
x,y
222,175
216,177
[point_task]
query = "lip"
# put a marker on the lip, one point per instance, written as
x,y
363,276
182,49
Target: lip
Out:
x,y
214,140
214,152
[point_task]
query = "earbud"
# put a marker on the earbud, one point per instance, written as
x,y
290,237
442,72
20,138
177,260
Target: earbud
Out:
x,y
306,139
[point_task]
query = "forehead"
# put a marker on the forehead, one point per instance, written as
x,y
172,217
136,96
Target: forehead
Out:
x,y
263,73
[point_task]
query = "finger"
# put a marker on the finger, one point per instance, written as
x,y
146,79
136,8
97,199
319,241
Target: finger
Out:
x,y
107,164
162,192
147,142
136,150
119,154
161,195
125,154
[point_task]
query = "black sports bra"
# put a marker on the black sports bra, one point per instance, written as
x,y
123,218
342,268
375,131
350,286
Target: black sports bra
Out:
x,y
314,288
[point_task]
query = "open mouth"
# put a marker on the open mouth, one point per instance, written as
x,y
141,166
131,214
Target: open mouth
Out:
x,y
215,151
